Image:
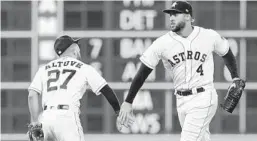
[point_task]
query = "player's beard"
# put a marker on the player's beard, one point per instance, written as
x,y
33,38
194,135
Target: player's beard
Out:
x,y
178,27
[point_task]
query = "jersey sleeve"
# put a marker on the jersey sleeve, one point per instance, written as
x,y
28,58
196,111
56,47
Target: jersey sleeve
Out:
x,y
95,80
151,56
36,83
221,45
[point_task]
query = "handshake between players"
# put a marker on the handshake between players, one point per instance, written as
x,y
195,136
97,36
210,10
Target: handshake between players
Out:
x,y
125,117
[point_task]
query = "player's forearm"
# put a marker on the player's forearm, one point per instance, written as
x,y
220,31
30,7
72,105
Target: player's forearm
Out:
x,y
230,62
137,82
34,108
111,98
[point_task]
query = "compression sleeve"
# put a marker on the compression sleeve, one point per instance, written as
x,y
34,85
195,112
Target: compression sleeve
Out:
x,y
111,97
230,62
137,82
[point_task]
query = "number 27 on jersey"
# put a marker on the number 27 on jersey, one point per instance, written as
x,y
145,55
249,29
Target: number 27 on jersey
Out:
x,y
51,82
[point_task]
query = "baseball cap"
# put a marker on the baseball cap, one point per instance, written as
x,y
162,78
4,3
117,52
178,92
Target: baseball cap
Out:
x,y
181,7
62,43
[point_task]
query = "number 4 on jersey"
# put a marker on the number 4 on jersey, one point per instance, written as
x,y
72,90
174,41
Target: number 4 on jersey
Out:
x,y
200,69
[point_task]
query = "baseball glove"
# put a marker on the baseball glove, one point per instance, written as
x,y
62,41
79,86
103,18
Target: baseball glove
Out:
x,y
35,132
233,95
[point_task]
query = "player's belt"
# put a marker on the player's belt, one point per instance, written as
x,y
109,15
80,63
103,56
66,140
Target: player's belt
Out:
x,y
63,107
190,92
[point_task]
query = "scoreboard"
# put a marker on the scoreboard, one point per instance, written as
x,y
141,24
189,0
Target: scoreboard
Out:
x,y
114,34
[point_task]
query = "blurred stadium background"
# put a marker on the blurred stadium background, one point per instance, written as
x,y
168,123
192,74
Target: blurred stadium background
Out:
x,y
114,34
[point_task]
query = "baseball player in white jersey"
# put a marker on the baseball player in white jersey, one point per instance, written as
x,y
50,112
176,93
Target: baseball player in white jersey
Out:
x,y
187,53
62,83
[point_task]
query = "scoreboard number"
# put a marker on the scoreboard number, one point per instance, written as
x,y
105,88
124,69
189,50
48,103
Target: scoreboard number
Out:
x,y
97,44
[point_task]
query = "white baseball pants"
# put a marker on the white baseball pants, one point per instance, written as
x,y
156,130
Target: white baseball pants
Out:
x,y
195,113
61,125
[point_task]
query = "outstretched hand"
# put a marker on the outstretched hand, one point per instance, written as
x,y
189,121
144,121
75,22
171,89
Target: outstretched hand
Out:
x,y
126,116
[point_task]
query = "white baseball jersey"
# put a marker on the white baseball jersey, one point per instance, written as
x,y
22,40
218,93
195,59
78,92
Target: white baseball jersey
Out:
x,y
188,60
65,80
